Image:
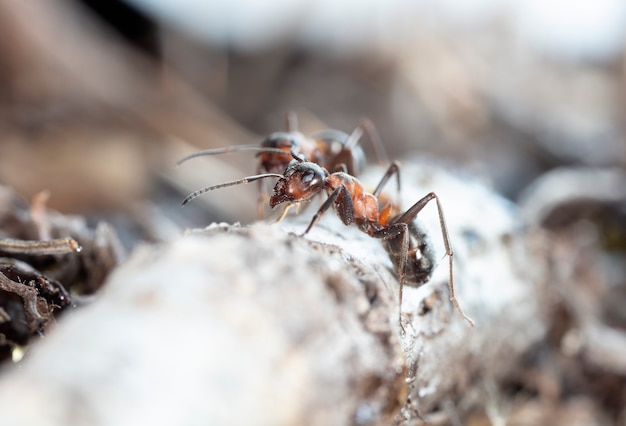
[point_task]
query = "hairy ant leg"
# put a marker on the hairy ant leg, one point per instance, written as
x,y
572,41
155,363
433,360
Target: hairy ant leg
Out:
x,y
366,126
260,204
389,206
346,214
391,232
408,216
393,169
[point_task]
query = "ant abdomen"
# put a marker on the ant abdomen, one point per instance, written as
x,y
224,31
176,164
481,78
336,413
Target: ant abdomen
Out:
x,y
420,260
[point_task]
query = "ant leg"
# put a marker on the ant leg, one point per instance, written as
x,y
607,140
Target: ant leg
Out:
x,y
366,126
346,214
291,121
393,169
262,197
260,210
387,233
261,200
410,214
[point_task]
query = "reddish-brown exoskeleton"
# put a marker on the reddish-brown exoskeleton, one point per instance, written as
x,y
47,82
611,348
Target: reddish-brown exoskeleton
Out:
x,y
331,149
407,245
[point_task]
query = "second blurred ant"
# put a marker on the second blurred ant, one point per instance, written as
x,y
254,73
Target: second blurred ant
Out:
x,y
331,149
408,247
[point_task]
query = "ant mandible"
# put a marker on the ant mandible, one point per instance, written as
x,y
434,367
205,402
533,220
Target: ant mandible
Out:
x,y
406,245
332,149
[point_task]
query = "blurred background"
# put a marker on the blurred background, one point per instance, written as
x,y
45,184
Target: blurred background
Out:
x,y
99,99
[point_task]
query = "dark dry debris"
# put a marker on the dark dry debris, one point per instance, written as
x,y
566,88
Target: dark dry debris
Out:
x,y
47,262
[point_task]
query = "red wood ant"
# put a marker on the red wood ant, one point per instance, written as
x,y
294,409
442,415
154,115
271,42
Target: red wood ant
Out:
x,y
332,149
407,245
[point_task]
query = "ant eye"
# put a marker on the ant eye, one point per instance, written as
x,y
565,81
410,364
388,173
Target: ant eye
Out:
x,y
308,176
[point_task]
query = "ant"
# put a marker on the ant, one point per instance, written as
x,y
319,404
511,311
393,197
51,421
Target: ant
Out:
x,y
407,245
332,149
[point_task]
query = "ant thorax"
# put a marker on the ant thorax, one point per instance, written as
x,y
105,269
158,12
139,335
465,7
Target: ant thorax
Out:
x,y
421,256
364,205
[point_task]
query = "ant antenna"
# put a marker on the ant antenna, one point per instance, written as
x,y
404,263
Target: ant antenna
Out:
x,y
223,185
298,158
230,149
291,120
217,151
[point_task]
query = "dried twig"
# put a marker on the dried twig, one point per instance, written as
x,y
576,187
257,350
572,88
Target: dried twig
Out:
x,y
29,296
40,248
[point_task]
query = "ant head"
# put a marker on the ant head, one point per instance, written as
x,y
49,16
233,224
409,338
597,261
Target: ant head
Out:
x,y
280,140
301,182
273,160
